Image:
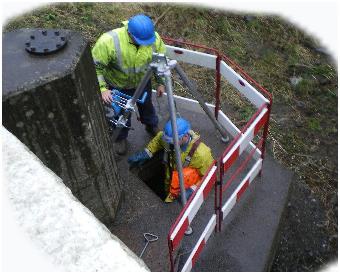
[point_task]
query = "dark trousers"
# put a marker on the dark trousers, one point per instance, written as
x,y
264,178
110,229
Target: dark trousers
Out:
x,y
147,111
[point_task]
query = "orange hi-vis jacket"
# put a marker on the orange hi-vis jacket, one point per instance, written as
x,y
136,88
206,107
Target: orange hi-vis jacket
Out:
x,y
191,178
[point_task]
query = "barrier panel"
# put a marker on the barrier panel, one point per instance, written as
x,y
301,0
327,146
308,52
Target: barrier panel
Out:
x,y
233,152
191,57
200,244
235,197
242,141
189,212
242,85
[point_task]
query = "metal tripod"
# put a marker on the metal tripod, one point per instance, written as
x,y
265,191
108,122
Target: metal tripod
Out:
x,y
162,67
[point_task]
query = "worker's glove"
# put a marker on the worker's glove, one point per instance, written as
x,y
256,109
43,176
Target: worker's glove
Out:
x,y
170,198
138,158
189,191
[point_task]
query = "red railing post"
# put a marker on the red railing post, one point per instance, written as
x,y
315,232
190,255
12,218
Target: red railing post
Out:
x,y
218,183
215,201
218,85
172,266
265,132
219,216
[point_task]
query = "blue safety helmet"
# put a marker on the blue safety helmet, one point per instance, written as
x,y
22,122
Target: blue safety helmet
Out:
x,y
183,127
142,29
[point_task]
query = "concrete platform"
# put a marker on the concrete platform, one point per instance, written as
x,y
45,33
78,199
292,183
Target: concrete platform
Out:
x,y
247,240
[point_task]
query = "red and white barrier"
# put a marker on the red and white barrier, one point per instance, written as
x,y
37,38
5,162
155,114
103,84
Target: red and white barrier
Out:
x,y
255,97
234,198
191,57
244,140
200,244
190,212
209,61
234,131
224,68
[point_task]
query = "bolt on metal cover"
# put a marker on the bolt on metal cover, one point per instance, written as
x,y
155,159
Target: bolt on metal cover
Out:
x,y
45,41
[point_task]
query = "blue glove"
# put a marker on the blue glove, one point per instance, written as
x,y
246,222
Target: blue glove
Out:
x,y
188,193
138,158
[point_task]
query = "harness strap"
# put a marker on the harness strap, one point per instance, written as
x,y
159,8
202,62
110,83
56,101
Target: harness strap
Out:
x,y
191,152
170,151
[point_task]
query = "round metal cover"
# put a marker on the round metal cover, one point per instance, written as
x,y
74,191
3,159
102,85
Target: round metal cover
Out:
x,y
43,42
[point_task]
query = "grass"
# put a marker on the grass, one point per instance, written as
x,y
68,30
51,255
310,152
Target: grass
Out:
x,y
314,124
304,118
304,88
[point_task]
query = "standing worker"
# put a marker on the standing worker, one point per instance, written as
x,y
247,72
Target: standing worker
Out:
x,y
195,155
121,59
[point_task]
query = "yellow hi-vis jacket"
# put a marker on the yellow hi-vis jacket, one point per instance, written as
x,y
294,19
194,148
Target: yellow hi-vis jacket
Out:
x,y
119,62
200,160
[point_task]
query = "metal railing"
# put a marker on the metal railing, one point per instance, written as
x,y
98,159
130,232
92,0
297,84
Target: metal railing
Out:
x,y
257,95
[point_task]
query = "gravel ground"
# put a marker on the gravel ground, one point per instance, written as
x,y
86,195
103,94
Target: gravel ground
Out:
x,y
305,244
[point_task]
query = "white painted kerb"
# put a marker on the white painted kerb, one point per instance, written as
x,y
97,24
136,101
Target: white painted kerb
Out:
x,y
55,220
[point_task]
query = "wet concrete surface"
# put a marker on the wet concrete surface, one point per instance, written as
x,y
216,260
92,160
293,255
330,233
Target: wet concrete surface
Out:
x,y
248,236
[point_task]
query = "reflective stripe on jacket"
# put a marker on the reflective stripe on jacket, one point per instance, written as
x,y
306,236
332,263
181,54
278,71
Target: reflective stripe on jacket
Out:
x,y
200,160
119,62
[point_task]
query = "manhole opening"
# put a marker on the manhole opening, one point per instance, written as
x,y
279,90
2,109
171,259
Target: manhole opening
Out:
x,y
152,173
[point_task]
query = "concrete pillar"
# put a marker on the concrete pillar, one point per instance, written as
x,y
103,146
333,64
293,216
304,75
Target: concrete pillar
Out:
x,y
52,104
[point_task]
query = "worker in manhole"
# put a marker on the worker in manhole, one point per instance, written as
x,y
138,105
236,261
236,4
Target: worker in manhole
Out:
x,y
196,158
121,59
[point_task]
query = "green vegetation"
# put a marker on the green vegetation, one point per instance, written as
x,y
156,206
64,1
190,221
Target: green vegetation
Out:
x,y
304,117
304,88
50,17
314,124
246,113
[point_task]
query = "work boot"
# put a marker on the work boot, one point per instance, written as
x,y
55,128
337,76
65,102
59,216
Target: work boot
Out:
x,y
121,147
151,130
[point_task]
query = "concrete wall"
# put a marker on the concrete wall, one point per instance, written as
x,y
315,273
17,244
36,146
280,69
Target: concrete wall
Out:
x,y
57,223
52,104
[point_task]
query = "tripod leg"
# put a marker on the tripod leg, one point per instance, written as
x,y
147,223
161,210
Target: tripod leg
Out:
x,y
172,111
141,86
198,97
